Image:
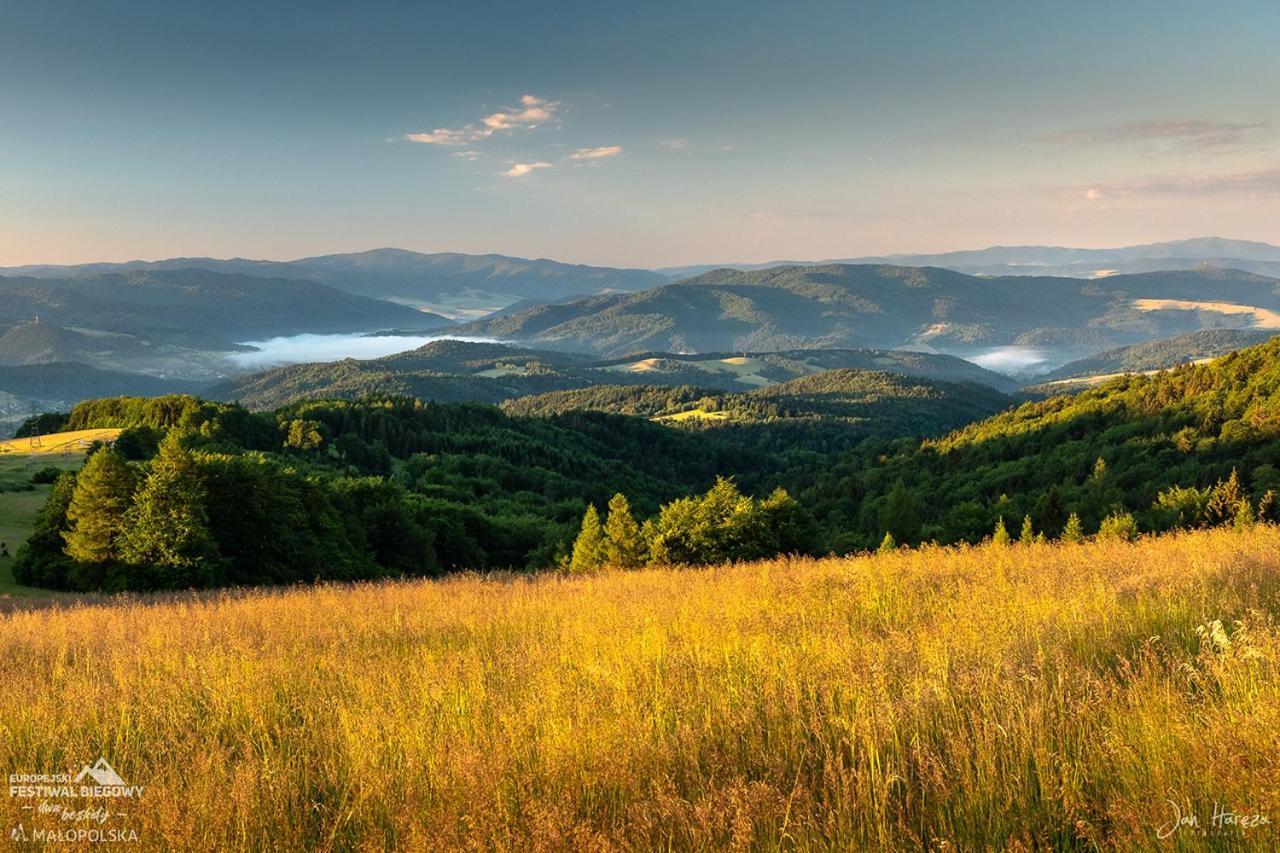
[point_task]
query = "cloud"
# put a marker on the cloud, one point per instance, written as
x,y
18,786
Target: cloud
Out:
x,y
469,154
532,112
1189,133
1258,182
674,144
596,153
519,170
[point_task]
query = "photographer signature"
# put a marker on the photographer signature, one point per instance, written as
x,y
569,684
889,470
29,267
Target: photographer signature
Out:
x,y
1223,820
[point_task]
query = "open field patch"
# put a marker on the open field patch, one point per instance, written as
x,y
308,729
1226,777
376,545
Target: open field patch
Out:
x,y
1263,318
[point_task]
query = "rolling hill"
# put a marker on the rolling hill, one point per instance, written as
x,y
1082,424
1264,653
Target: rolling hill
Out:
x,y
199,309
1117,448
452,283
819,412
452,371
1150,356
893,307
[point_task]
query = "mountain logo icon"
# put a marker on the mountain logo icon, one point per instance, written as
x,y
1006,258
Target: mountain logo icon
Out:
x,y
102,773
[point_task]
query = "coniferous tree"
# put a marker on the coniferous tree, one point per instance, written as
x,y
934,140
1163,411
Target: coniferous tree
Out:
x,y
887,545
167,529
1074,531
1001,535
625,546
590,548
1027,535
103,491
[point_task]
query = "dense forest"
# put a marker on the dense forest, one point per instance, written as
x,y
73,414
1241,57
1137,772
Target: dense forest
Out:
x,y
1184,447
199,493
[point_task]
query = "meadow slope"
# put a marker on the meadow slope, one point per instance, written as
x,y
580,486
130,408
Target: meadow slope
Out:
x,y
1030,696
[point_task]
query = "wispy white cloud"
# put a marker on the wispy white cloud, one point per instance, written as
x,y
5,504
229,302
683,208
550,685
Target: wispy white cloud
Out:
x,y
469,154
672,143
596,153
532,112
519,170
1253,183
1188,133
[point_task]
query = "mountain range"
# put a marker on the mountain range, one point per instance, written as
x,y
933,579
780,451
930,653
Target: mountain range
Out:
x,y
895,307
457,371
449,283
1262,258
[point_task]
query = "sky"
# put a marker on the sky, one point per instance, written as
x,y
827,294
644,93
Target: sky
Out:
x,y
640,134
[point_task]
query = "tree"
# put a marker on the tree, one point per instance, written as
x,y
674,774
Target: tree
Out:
x,y
887,545
901,515
1027,535
590,548
103,491
625,547
1074,531
167,529
1119,525
1001,535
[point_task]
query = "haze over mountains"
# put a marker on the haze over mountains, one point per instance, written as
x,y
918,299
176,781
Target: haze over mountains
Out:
x,y
186,320
1245,255
896,307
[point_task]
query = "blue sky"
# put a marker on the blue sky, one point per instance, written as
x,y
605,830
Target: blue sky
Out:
x,y
631,134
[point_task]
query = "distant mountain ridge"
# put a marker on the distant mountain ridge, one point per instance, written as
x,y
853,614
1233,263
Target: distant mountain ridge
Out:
x,y
453,283
1250,256
894,307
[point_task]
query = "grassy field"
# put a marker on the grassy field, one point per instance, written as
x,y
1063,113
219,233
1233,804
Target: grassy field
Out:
x,y
20,500
1045,696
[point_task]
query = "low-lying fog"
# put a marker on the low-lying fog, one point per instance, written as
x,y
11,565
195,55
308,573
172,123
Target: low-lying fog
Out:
x,y
295,349
1012,360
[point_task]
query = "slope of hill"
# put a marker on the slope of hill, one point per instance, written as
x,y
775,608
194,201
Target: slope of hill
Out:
x,y
451,283
40,343
868,703
1261,258
820,412
1153,355
884,306
454,371
1178,432
201,309
59,385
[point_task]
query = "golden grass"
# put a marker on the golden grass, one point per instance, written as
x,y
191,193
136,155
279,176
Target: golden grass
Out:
x,y
1263,318
979,698
694,415
59,443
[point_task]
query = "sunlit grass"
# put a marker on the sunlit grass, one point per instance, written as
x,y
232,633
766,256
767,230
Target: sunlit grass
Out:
x,y
981,698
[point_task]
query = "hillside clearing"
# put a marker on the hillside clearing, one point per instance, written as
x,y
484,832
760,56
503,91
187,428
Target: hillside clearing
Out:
x,y
1263,318
60,443
977,698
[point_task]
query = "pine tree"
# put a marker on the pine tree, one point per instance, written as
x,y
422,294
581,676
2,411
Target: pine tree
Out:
x,y
1074,531
590,548
1027,535
1001,535
167,529
887,545
625,546
103,491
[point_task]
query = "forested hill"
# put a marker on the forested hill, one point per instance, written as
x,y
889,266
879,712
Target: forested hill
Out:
x,y
817,413
1151,446
1161,354
457,371
892,306
199,309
